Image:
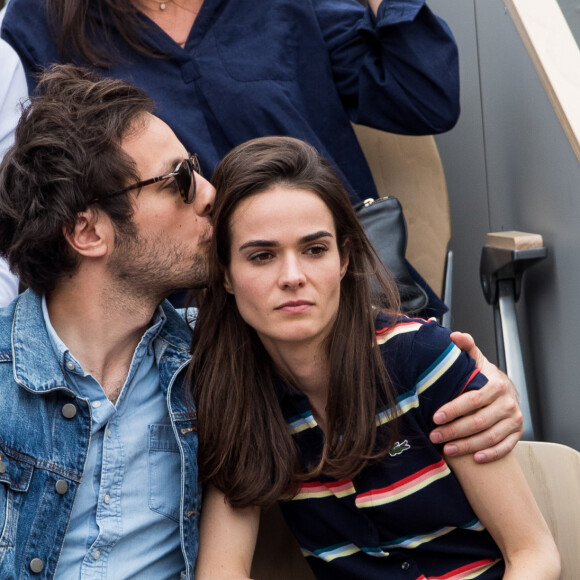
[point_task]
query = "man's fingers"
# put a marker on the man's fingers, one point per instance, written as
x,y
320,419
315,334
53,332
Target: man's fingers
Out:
x,y
487,422
466,343
491,453
489,443
486,427
472,401
469,426
483,440
463,340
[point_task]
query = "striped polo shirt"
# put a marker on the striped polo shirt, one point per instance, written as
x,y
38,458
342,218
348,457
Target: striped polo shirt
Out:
x,y
405,517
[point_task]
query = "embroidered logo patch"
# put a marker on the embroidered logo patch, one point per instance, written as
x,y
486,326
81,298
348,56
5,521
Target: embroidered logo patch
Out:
x,y
398,448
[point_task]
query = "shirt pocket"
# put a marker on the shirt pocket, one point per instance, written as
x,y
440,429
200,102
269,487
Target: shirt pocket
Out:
x,y
264,47
15,478
164,472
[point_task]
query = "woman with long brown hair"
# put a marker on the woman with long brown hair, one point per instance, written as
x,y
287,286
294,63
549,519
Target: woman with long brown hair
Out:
x,y
309,394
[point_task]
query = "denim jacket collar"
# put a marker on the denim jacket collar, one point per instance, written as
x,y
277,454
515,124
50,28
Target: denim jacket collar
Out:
x,y
37,372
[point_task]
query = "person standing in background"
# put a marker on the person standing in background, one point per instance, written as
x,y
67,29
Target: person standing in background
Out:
x,y
225,71
13,91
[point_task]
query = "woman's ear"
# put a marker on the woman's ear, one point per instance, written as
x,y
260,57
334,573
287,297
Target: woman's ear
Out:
x,y
344,257
88,237
227,283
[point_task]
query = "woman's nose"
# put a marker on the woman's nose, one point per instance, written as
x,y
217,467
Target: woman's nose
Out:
x,y
292,275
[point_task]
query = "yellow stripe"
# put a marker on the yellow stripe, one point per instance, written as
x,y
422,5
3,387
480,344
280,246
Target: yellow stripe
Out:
x,y
442,370
376,501
399,329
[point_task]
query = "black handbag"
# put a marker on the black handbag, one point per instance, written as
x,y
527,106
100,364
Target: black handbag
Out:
x,y
385,226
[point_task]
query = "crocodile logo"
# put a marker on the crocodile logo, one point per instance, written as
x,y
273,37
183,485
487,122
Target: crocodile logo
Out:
x,y
398,448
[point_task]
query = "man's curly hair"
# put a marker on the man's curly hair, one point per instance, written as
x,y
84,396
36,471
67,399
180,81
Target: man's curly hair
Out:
x,y
67,153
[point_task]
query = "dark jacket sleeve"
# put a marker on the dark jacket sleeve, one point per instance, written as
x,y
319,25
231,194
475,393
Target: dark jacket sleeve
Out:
x,y
399,71
25,28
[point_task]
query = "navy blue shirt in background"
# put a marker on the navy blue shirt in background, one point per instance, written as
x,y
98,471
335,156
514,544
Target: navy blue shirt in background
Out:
x,y
284,67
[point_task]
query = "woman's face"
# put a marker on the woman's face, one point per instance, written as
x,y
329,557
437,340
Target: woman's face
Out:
x,y
285,268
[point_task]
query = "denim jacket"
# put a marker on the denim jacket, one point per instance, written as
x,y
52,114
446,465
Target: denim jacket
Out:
x,y
45,434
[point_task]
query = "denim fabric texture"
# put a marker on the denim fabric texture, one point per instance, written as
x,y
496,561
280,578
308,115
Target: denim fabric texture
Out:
x,y
45,432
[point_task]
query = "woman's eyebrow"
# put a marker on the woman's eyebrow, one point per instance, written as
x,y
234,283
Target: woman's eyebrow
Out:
x,y
259,243
315,236
273,244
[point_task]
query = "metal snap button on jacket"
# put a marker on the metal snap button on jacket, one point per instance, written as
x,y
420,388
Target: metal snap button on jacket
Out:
x,y
69,411
61,486
36,565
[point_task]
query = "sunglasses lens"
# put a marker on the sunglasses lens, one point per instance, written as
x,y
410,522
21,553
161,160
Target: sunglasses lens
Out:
x,y
184,178
194,160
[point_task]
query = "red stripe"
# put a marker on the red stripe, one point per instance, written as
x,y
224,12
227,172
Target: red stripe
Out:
x,y
471,377
466,568
402,482
389,328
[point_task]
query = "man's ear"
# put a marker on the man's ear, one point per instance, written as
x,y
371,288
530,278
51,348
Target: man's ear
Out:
x,y
89,236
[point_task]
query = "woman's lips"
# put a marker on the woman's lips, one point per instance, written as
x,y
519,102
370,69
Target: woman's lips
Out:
x,y
295,306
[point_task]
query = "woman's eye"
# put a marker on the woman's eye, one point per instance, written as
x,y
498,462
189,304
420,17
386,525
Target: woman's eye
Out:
x,y
316,250
260,257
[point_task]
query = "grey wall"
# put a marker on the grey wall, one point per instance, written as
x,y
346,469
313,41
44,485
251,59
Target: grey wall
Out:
x,y
509,166
571,10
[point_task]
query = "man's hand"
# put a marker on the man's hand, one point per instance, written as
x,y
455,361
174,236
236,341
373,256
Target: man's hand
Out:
x,y
487,422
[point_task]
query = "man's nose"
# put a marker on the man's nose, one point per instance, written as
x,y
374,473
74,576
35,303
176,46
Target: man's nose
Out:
x,y
204,196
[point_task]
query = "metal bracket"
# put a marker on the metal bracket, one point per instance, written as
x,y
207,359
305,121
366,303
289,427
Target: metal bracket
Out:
x,y
501,272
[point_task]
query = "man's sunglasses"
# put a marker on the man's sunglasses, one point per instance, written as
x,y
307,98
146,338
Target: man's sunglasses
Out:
x,y
183,175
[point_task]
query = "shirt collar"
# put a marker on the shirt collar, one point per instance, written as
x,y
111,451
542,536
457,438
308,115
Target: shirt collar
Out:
x,y
69,363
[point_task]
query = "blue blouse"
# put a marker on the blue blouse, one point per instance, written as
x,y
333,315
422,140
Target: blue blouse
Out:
x,y
304,69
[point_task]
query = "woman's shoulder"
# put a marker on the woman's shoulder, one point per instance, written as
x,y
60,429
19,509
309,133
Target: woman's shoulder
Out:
x,y
390,328
419,354
411,345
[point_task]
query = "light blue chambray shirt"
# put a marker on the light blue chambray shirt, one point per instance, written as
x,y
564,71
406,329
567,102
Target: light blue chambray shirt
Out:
x,y
125,518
